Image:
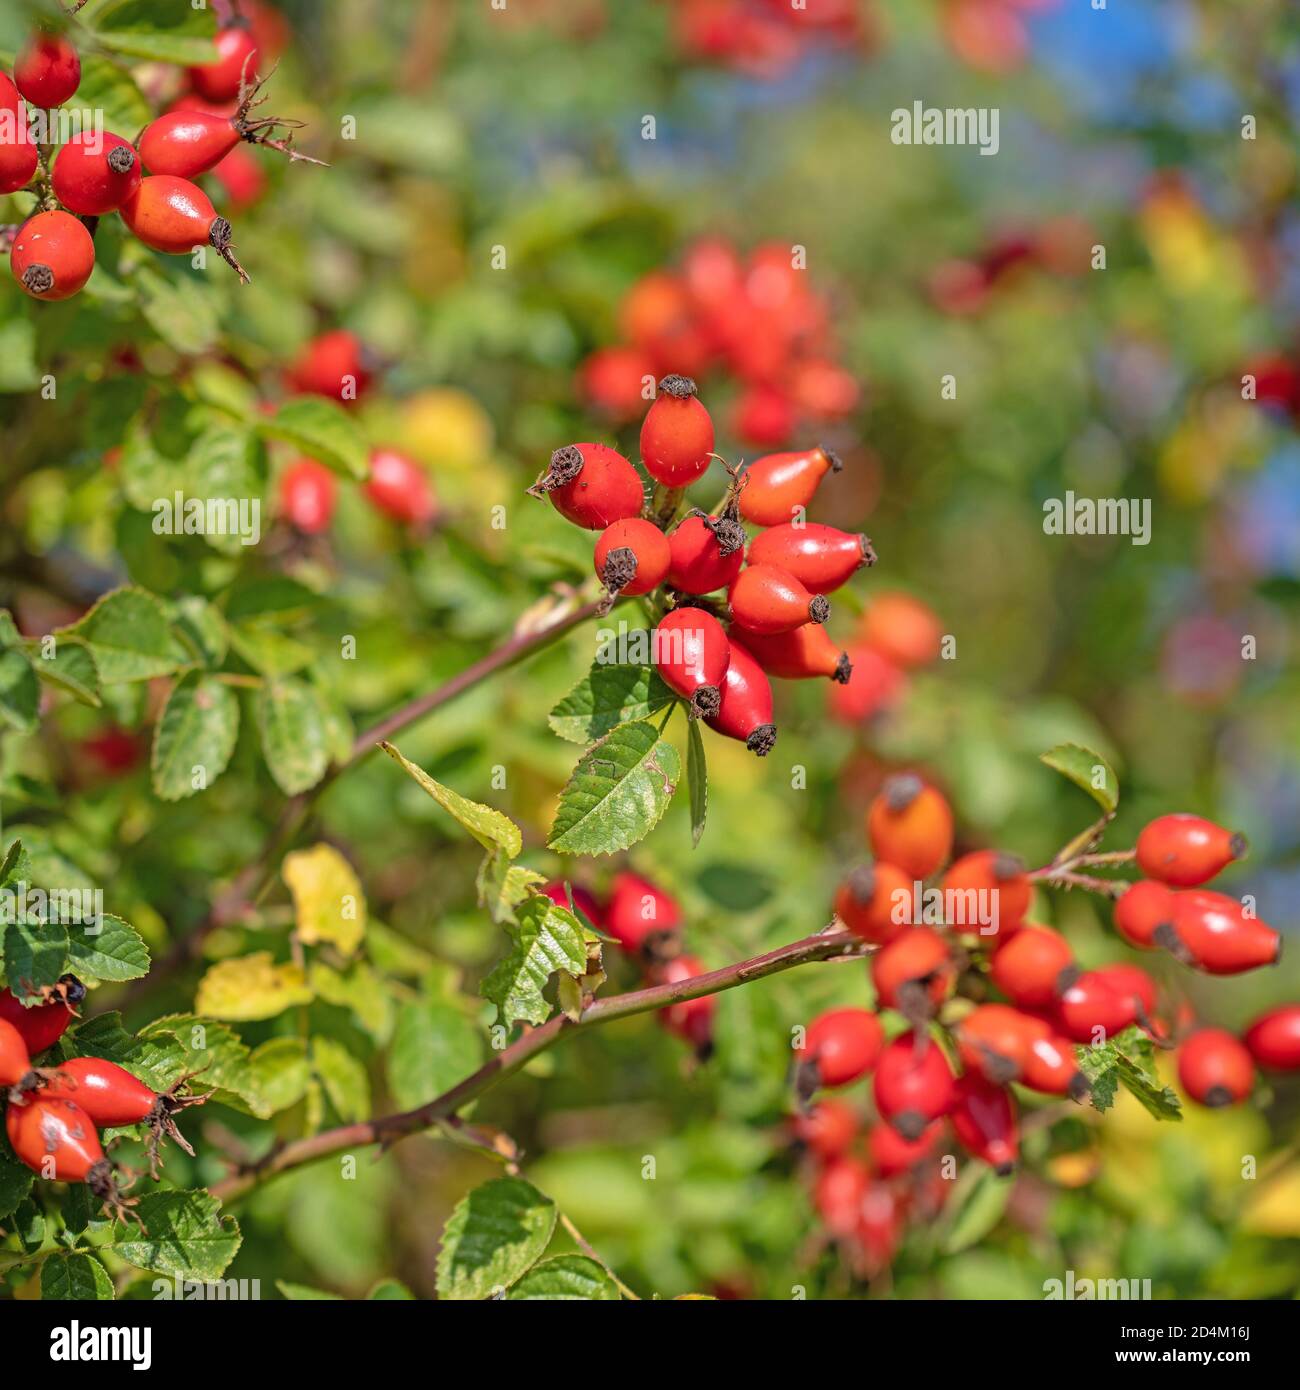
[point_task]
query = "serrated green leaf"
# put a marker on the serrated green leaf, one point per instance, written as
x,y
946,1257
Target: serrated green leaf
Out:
x,y
322,430
697,780
70,1275
293,734
16,1180
20,693
185,1233
618,792
502,886
606,697
434,1046
202,628
547,939
71,667
195,736
115,953
494,1235
129,637
35,955
343,1077
489,827
1088,771
566,1277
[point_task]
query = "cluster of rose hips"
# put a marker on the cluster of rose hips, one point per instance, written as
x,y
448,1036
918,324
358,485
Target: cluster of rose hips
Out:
x,y
148,183
776,589
764,38
957,1065
757,318
53,1114
647,923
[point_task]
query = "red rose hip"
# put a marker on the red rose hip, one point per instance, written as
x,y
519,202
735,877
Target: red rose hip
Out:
x,y
677,434
52,255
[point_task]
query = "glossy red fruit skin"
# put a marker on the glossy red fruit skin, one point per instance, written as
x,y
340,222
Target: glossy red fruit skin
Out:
x,y
892,1155
1185,851
646,558
995,878
219,81
698,565
826,1129
308,491
767,599
400,488
997,1041
109,1094
641,917
841,1046
777,485
15,1060
187,143
1273,1040
1215,1069
604,487
873,902
333,365
677,434
820,557
803,654
1052,1068
42,1025
1132,983
96,178
44,1130
913,1085
839,1192
914,972
746,709
170,215
1212,933
52,255
984,1116
1033,967
692,1019
1142,910
20,154
1090,1010
910,825
47,71
692,654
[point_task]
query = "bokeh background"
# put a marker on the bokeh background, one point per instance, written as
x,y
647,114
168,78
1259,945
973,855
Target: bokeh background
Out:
x,y
524,131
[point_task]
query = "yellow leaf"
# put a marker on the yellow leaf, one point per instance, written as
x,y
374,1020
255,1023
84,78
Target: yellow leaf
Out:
x,y
1275,1209
250,987
327,898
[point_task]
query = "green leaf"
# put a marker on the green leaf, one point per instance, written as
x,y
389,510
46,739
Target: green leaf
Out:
x,y
16,1180
158,30
606,697
18,369
697,780
107,87
323,430
344,1079
547,939
20,692
1127,1060
390,1291
570,1277
185,1233
180,308
128,635
74,1276
1087,770
502,886
434,1046
359,989
279,1071
195,736
304,1293
489,827
268,650
618,792
35,955
71,667
202,628
116,953
976,1207
293,734
229,466
494,1235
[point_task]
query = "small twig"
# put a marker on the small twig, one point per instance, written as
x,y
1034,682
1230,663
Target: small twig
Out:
x,y
587,1249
